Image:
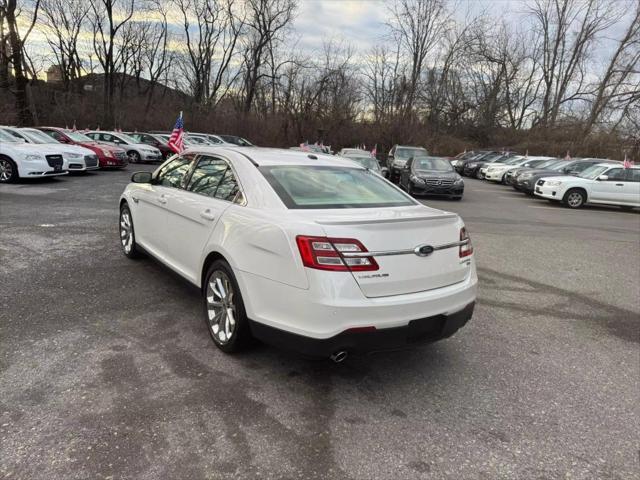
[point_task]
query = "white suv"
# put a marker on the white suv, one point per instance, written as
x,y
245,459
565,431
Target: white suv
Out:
x,y
305,251
24,160
604,183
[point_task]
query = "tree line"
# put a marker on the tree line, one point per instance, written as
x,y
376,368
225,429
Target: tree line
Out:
x,y
561,69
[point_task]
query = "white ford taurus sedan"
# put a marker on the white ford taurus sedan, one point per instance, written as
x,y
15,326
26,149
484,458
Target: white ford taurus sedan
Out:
x,y
304,251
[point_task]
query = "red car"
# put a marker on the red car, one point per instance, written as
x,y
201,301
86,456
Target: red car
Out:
x,y
109,156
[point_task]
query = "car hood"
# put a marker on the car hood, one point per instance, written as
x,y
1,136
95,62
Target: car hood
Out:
x,y
75,149
104,146
563,178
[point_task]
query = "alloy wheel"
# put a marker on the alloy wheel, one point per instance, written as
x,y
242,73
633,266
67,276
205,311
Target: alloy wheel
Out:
x,y
574,199
6,170
133,157
126,230
221,308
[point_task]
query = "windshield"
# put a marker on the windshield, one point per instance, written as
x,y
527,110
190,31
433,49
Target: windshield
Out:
x,y
126,138
7,137
593,171
430,163
78,137
236,140
332,187
366,162
36,136
515,161
559,165
197,140
407,153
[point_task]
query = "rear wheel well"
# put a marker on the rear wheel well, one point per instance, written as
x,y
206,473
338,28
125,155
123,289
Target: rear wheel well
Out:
x,y
212,257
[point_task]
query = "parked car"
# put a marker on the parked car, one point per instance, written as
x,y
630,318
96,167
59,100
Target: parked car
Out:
x,y
497,172
75,158
154,140
398,156
367,161
565,167
479,156
352,151
19,159
109,156
603,183
136,152
431,176
462,156
236,140
474,169
526,181
534,162
322,257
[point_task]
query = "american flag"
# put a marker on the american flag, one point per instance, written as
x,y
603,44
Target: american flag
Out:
x,y
176,140
374,152
627,163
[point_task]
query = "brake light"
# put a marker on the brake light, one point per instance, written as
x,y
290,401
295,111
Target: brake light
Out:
x,y
466,249
323,253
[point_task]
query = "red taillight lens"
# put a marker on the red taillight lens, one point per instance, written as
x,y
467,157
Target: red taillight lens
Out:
x,y
467,249
323,253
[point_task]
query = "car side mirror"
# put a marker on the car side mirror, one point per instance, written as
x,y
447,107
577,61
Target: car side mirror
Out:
x,y
603,178
142,177
390,156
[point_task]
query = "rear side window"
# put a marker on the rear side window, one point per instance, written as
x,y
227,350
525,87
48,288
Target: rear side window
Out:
x,y
305,187
174,172
634,175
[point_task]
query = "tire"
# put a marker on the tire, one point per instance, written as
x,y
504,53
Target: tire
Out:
x,y
8,170
478,174
503,180
410,190
134,157
457,198
227,324
574,198
127,234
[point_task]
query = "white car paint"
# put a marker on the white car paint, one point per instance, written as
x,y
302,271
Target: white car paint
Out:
x,y
75,158
146,153
613,185
27,159
494,172
257,233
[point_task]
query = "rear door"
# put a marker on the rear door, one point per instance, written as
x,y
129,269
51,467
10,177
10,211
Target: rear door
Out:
x,y
396,233
212,187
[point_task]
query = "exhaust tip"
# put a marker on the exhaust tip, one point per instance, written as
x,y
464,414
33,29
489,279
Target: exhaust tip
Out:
x,y
339,356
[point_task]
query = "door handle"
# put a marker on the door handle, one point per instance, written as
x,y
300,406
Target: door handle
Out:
x,y
162,199
207,215
619,184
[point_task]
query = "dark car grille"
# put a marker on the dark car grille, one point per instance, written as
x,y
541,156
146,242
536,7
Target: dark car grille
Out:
x,y
55,161
91,160
438,183
540,182
120,155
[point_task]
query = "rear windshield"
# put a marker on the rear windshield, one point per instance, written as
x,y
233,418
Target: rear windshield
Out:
x,y
304,187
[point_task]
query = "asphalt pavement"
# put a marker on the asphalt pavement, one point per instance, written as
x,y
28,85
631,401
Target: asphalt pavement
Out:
x,y
107,369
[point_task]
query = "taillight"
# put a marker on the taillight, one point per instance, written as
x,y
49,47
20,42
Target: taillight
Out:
x,y
323,253
467,248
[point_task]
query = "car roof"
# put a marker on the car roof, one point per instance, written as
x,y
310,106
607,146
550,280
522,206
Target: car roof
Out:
x,y
263,156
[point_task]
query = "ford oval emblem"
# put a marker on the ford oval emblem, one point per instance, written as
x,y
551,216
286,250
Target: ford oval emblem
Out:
x,y
423,250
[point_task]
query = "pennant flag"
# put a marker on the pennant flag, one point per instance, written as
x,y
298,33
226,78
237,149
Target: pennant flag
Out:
x,y
627,163
374,152
567,156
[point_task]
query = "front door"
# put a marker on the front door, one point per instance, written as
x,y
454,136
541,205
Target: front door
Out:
x,y
150,205
610,190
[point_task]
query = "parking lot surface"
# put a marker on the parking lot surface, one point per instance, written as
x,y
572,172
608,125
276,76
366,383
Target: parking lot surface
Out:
x,y
107,369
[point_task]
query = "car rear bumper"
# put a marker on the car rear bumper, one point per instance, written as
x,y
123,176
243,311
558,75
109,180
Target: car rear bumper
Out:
x,y
329,307
360,341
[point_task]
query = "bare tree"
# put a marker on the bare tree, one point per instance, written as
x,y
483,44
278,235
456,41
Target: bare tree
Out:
x,y
617,86
266,21
107,19
566,29
418,26
16,55
65,21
